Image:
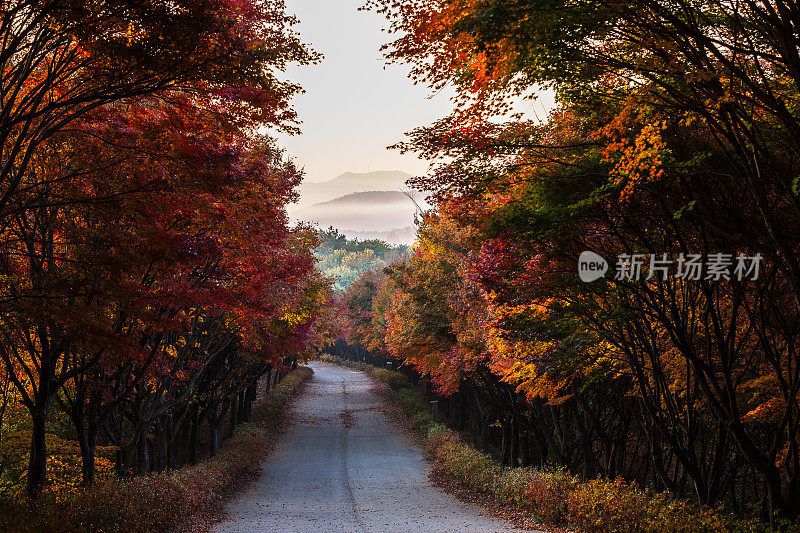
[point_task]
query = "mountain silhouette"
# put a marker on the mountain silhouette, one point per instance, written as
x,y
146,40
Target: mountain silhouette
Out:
x,y
363,205
351,182
364,211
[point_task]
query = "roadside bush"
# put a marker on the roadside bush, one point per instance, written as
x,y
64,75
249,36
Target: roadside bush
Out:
x,y
421,421
543,494
600,505
411,401
469,466
395,380
511,486
606,506
546,493
158,502
596,506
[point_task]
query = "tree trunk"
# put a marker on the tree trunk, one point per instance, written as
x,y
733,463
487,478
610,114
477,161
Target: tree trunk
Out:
x,y
193,436
524,448
485,432
37,462
92,429
142,454
234,414
505,458
214,430
269,379
241,415
248,405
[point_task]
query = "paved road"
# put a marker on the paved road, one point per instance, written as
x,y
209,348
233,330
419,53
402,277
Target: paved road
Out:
x,y
343,467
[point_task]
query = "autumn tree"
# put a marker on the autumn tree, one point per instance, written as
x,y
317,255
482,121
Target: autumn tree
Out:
x,y
135,252
62,59
675,135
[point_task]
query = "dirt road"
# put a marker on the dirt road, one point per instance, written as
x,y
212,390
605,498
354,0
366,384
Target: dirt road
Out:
x,y
343,467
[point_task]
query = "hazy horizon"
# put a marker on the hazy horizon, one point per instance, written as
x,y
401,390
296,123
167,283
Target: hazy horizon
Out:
x,y
352,172
354,105
353,108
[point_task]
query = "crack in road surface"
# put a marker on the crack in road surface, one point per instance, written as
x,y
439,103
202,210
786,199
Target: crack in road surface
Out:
x,y
341,466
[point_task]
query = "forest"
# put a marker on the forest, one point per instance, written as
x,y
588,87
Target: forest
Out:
x,y
675,142
343,260
148,273
152,285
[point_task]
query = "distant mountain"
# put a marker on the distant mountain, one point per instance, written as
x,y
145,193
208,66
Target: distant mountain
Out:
x,y
351,182
369,198
371,211
404,235
366,205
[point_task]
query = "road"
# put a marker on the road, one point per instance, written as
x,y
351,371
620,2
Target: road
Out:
x,y
342,466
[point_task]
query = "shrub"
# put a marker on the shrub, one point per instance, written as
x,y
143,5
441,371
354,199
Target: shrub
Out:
x,y
547,494
469,466
511,487
412,401
395,380
157,502
556,497
421,421
605,506
600,505
540,493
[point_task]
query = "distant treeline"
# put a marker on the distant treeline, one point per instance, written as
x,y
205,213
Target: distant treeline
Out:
x,y
345,259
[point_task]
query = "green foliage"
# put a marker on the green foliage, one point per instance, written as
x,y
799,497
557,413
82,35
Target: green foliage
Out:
x,y
158,502
395,380
421,421
411,400
345,259
331,240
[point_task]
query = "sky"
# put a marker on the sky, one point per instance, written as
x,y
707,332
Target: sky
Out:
x,y
355,105
353,108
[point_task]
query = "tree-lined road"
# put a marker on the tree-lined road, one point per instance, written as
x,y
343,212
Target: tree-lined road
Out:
x,y
342,466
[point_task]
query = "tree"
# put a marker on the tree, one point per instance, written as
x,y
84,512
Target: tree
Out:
x,y
675,134
63,59
121,146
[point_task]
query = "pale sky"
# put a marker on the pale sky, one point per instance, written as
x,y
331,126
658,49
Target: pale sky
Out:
x,y
354,105
353,108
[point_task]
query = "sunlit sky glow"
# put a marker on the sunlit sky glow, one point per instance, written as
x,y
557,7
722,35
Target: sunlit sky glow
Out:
x,y
355,105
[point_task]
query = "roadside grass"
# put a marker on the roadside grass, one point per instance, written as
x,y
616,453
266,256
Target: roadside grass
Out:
x,y
555,497
168,501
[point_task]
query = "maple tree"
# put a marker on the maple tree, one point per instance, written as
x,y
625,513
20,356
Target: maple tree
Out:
x,y
62,59
674,134
150,277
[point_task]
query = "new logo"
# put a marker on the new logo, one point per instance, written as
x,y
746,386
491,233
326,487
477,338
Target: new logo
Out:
x,y
591,266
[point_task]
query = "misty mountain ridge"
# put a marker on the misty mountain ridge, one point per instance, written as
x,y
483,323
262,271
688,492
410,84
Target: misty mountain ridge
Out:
x,y
359,178
312,192
404,235
362,205
371,197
